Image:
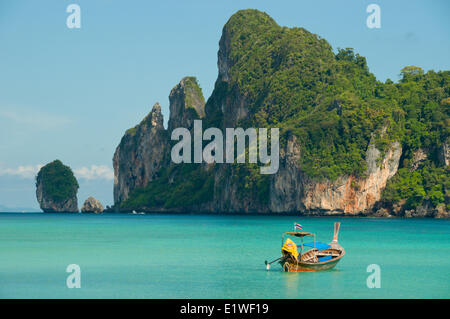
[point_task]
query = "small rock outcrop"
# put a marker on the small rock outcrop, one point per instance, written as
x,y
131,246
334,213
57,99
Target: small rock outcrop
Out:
x,y
91,205
56,188
418,157
442,212
444,153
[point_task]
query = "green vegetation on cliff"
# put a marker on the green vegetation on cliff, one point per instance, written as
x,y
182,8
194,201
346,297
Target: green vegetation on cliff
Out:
x,y
178,186
424,100
58,181
430,184
191,84
334,105
251,183
291,79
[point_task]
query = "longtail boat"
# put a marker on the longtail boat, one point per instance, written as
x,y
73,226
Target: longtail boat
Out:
x,y
313,256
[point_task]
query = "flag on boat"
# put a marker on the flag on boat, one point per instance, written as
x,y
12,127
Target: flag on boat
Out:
x,y
298,226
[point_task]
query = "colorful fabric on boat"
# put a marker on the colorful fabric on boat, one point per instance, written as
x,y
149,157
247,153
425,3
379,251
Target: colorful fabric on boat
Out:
x,y
322,259
298,226
290,247
319,246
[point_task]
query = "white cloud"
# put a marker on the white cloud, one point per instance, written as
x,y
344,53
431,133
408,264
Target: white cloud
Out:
x,y
89,173
28,171
95,172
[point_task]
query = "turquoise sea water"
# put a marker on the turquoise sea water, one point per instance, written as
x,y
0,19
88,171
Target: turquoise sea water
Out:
x,y
202,256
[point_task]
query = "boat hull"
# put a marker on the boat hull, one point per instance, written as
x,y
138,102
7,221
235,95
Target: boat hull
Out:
x,y
304,265
308,267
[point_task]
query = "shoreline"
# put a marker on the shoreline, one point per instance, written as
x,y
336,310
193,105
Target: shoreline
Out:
x,y
284,214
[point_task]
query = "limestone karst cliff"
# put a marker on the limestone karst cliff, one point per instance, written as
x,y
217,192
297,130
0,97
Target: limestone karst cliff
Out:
x,y
140,155
56,188
344,136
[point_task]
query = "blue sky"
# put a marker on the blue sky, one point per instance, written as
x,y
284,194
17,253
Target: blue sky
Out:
x,y
71,93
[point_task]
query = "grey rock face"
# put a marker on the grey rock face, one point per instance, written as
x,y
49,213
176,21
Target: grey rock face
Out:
x,y
444,154
91,205
287,187
48,205
223,59
441,212
140,155
292,191
186,104
145,149
419,156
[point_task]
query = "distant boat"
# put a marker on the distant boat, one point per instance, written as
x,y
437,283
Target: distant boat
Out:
x,y
320,257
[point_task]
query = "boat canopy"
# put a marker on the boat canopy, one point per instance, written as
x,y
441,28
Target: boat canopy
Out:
x,y
319,246
299,234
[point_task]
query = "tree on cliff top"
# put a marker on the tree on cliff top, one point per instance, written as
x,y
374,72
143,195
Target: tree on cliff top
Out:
x,y
411,72
58,181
